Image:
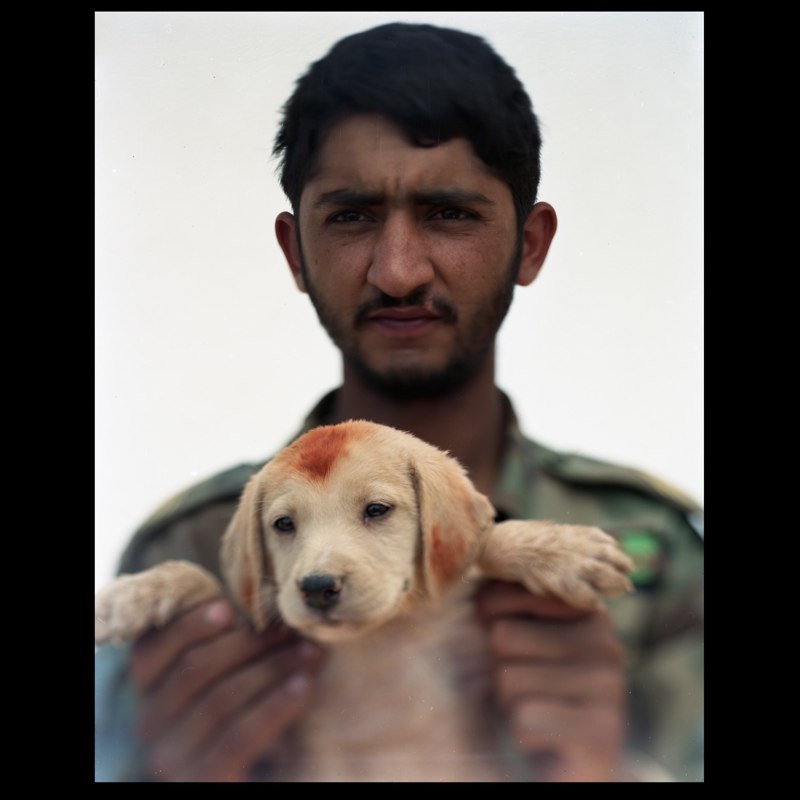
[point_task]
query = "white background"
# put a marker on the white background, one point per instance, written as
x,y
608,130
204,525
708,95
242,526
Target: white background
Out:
x,y
207,355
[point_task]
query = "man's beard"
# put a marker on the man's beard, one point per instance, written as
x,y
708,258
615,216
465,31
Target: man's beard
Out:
x,y
412,382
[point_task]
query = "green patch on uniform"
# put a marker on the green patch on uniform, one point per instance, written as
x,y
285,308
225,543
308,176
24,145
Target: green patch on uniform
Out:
x,y
648,552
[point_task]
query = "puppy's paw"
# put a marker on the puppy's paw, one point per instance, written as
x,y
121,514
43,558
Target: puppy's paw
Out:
x,y
577,563
581,565
131,604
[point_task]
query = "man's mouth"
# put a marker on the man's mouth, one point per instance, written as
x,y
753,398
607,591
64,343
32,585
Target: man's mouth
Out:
x,y
404,321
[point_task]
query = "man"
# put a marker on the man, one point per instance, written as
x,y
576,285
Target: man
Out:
x,y
410,156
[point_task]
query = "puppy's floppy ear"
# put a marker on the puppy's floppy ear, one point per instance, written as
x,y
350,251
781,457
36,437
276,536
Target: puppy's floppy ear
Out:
x,y
244,557
454,518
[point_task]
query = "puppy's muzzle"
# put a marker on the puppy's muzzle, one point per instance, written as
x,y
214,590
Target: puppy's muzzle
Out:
x,y
320,590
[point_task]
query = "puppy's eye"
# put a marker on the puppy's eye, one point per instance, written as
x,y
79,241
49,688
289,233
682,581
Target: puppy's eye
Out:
x,y
376,510
284,525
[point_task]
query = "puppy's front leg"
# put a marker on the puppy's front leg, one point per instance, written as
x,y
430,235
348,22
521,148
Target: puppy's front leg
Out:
x,y
579,564
131,604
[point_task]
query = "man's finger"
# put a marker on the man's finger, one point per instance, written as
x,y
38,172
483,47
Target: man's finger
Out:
x,y
497,598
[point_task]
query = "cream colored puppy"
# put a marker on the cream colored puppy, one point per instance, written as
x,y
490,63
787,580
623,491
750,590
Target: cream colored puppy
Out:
x,y
368,538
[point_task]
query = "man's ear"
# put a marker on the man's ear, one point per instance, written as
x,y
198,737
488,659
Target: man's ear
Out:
x,y
540,228
286,232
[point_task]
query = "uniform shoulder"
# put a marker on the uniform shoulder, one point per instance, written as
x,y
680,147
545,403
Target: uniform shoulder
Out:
x,y
224,486
195,517
586,470
658,525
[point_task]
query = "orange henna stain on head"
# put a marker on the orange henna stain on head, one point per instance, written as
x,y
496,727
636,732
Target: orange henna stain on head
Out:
x,y
316,452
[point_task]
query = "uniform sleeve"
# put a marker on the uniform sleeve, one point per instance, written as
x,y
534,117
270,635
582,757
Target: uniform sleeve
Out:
x,y
661,623
667,669
118,755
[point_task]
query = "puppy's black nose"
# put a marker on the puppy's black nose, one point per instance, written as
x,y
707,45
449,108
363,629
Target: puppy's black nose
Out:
x,y
320,590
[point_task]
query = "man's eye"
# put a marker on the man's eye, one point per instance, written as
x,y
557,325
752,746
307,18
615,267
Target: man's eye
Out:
x,y
347,216
373,510
452,214
284,525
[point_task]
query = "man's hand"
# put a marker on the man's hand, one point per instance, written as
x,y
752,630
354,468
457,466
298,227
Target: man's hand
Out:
x,y
216,696
559,675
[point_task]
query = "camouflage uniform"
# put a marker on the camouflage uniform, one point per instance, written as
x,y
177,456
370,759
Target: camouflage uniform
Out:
x,y
660,624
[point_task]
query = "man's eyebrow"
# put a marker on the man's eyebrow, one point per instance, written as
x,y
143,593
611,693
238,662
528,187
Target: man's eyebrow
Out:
x,y
432,197
347,197
451,197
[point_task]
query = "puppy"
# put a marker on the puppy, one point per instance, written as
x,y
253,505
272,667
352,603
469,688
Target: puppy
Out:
x,y
374,541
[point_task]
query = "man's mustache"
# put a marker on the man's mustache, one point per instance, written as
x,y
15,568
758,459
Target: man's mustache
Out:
x,y
383,301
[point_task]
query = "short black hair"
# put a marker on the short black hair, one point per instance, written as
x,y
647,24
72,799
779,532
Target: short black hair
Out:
x,y
435,84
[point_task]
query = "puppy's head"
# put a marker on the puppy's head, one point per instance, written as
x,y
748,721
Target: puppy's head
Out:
x,y
350,526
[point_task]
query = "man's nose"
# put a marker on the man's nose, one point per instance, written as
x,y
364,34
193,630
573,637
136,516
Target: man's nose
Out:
x,y
400,261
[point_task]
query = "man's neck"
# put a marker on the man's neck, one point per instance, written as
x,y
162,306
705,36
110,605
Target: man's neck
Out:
x,y
468,422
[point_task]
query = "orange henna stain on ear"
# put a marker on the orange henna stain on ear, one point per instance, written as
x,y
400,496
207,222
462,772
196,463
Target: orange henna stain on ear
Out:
x,y
446,556
315,453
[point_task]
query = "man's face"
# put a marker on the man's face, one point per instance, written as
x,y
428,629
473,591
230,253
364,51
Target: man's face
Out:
x,y
408,254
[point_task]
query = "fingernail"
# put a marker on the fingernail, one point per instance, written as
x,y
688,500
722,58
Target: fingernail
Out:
x,y
298,684
219,613
308,651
